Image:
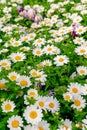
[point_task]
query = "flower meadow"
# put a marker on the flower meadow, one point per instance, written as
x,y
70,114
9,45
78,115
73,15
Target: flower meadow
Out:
x,y
43,65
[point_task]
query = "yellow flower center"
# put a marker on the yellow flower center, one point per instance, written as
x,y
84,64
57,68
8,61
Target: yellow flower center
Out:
x,y
79,40
80,30
32,94
49,49
8,67
39,40
67,97
65,127
17,57
77,102
82,71
16,43
31,36
3,64
41,104
23,83
15,124
61,59
25,39
62,32
8,107
33,114
82,50
34,74
40,128
39,67
13,77
39,75
74,90
47,64
2,85
38,52
51,105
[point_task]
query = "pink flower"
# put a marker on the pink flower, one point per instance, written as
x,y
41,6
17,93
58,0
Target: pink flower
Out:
x,y
31,14
37,19
24,13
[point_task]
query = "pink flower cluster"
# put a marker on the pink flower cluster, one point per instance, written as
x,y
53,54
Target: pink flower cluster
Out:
x,y
31,14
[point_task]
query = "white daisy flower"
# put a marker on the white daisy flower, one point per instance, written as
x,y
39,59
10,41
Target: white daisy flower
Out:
x,y
33,115
53,20
79,102
47,63
54,17
7,44
82,70
74,88
81,50
60,60
39,42
83,12
84,1
79,40
58,39
13,76
48,49
41,102
59,24
23,81
5,63
28,127
8,106
67,125
41,77
51,49
7,9
19,1
0,39
32,93
25,38
37,52
15,123
67,96
43,125
40,66
80,30
33,73
84,89
2,84
77,19
16,43
3,51
24,48
7,29
84,121
50,1
17,57
31,36
52,104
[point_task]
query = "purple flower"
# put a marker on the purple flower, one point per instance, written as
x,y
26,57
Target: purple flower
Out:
x,y
51,93
20,9
74,34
